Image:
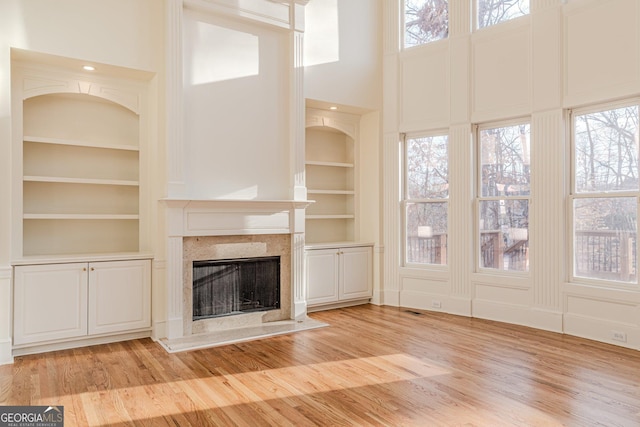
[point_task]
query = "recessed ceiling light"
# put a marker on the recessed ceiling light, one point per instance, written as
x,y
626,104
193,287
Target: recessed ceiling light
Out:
x,y
88,68
333,108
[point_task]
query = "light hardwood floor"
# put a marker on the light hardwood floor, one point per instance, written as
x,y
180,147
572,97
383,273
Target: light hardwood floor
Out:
x,y
372,366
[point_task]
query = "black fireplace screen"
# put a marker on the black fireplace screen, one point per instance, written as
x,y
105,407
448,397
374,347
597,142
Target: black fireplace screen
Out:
x,y
233,286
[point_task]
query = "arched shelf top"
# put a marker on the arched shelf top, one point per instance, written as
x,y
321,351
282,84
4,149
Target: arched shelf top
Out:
x,y
334,125
129,99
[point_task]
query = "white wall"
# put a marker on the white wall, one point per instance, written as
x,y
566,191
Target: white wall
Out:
x,y
535,67
127,33
342,52
236,93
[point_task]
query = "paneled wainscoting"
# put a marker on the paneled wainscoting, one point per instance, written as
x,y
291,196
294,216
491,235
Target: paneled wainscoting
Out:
x,y
372,366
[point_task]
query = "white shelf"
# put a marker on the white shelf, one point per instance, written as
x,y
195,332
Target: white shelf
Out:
x,y
81,216
336,216
95,181
346,192
330,164
76,143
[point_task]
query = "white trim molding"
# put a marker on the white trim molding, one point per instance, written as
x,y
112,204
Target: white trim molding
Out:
x,y
6,316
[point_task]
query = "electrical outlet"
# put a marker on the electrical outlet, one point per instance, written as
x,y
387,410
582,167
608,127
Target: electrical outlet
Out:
x,y
436,304
619,336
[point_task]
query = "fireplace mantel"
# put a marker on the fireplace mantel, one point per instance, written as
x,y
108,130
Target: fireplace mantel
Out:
x,y
216,217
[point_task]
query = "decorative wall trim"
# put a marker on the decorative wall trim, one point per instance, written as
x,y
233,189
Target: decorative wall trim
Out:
x,y
44,81
299,300
550,155
173,88
391,33
461,242
278,14
391,217
297,129
6,315
459,18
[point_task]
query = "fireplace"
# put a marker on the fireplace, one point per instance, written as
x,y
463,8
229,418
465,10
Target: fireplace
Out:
x,y
223,230
233,286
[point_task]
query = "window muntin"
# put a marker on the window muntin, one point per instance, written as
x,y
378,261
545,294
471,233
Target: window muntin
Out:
x,y
605,193
426,178
425,21
503,197
491,12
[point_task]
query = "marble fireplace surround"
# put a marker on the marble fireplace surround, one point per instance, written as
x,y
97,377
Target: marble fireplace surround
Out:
x,y
207,248
220,229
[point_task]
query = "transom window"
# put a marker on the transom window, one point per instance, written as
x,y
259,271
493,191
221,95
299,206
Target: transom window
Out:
x,y
425,21
605,192
491,12
503,196
426,194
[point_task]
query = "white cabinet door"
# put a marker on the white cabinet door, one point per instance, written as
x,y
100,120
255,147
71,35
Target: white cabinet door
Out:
x,y
50,302
119,296
355,273
322,276
338,274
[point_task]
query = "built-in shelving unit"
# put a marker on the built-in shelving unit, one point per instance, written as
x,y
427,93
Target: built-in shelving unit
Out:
x,y
81,204
81,168
338,267
330,178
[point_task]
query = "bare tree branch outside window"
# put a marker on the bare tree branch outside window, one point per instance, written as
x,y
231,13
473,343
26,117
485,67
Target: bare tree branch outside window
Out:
x,y
426,199
606,186
505,183
491,12
425,21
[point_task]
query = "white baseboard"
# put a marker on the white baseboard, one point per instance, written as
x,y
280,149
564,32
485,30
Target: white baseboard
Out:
x,y
391,297
5,352
159,330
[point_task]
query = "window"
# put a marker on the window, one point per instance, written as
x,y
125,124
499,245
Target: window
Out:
x,y
491,12
425,21
503,202
605,193
426,193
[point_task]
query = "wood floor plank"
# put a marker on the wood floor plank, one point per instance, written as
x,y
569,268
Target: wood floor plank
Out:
x,y
373,366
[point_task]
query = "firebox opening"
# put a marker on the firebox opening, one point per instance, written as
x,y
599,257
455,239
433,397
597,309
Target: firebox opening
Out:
x,y
233,286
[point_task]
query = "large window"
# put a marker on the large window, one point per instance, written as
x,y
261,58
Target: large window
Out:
x,y
425,21
503,197
426,193
605,192
491,12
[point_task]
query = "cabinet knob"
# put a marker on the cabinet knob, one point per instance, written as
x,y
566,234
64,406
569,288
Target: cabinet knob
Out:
x,y
84,269
92,269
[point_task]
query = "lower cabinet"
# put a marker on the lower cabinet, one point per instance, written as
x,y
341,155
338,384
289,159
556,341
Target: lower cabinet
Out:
x,y
54,302
338,274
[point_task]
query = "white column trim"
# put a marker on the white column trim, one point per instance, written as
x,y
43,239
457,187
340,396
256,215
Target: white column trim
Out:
x,y
392,222
6,319
174,92
461,262
548,155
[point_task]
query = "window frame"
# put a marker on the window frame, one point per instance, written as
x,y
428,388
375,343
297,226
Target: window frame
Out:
x,y
574,195
479,198
405,201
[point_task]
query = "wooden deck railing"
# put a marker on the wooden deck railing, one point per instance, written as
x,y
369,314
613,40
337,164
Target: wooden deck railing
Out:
x,y
427,250
609,254
606,254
